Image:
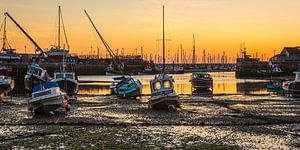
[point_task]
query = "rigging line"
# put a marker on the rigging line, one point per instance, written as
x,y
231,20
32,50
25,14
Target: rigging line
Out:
x,y
64,30
105,43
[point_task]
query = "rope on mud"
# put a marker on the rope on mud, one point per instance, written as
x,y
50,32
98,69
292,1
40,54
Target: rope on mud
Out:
x,y
38,134
279,122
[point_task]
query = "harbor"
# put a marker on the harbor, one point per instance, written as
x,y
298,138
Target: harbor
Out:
x,y
149,76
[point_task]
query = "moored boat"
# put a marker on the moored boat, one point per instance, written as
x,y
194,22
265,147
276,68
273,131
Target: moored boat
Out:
x,y
292,88
163,95
129,87
201,80
67,82
46,97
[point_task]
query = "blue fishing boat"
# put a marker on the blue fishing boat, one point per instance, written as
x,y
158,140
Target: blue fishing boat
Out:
x,y
274,87
65,79
129,87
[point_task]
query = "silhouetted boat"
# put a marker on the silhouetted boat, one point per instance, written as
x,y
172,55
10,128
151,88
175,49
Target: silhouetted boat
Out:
x,y
201,80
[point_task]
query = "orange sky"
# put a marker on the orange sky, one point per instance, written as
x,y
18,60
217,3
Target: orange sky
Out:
x,y
218,25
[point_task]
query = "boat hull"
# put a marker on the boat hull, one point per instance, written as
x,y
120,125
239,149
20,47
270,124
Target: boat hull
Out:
x,y
165,102
47,104
69,86
202,83
292,88
130,94
7,87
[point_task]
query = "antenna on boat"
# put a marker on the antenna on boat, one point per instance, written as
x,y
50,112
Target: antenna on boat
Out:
x,y
58,39
194,51
164,61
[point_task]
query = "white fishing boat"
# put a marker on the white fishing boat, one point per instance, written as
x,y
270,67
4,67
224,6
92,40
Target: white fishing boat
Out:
x,y
34,75
47,97
163,95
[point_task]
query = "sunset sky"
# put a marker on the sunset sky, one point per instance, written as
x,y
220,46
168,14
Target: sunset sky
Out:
x,y
218,25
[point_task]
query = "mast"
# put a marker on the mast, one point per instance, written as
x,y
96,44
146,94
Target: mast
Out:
x,y
58,40
194,50
164,61
4,34
26,34
109,50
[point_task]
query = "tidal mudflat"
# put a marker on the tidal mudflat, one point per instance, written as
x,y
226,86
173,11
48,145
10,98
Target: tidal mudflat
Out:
x,y
222,121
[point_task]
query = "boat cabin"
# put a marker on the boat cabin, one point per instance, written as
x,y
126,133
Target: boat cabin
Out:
x,y
200,75
162,85
36,70
64,75
46,88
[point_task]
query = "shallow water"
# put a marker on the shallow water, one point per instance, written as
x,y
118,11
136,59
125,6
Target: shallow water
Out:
x,y
224,83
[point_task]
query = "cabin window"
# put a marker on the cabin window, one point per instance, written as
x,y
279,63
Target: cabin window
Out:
x,y
59,75
157,86
70,76
167,84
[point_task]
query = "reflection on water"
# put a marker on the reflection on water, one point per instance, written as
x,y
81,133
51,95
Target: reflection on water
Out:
x,y
224,83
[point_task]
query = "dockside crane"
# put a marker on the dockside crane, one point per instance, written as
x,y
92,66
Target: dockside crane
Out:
x,y
38,48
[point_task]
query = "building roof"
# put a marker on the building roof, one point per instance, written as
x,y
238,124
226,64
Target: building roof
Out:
x,y
292,50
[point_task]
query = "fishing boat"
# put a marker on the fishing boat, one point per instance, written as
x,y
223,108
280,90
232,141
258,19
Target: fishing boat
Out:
x,y
7,84
67,82
46,97
35,74
163,95
128,87
201,80
203,93
274,86
292,88
65,79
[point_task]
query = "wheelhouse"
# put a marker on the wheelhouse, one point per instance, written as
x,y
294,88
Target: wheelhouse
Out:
x,y
64,75
162,85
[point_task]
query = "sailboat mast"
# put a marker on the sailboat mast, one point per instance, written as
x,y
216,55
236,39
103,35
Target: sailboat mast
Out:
x,y
164,61
4,34
194,51
58,40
